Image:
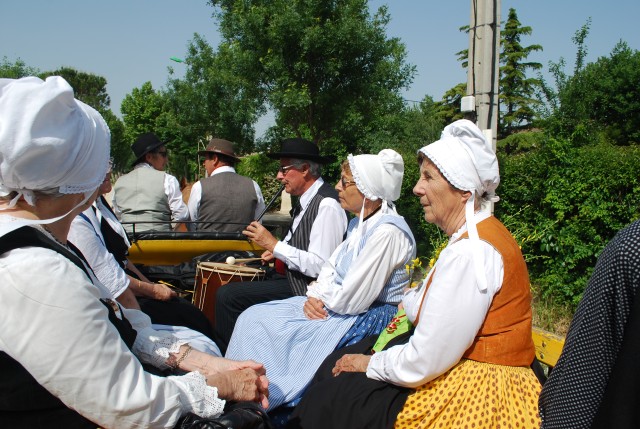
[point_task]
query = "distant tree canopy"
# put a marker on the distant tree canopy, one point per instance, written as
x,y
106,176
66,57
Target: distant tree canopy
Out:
x,y
87,87
326,69
16,69
517,97
517,91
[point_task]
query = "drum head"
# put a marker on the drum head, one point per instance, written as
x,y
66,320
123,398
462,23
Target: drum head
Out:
x,y
220,267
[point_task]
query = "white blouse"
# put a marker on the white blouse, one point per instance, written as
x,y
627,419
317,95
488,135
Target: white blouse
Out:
x,y
54,325
387,248
453,311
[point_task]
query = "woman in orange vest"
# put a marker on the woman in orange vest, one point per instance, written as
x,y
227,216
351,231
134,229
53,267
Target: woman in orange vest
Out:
x,y
466,363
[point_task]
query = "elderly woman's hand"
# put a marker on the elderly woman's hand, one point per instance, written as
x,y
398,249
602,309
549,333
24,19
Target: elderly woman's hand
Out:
x,y
351,363
208,364
314,309
242,385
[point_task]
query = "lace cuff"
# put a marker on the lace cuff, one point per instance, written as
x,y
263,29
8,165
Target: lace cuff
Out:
x,y
153,347
197,397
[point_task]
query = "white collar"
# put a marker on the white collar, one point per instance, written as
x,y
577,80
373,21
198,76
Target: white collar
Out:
x,y
305,198
223,169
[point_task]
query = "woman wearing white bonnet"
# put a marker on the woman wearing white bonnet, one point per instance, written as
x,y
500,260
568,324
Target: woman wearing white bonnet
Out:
x,y
467,362
67,350
355,295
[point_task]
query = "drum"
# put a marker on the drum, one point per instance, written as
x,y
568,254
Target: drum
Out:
x,y
210,276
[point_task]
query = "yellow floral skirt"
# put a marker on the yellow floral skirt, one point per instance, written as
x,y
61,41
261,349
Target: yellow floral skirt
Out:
x,y
474,395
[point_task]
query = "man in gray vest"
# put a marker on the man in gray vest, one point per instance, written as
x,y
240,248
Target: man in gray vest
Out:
x,y
148,194
227,201
318,227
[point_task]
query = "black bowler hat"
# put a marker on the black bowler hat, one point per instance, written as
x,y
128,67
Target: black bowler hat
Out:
x,y
145,144
301,149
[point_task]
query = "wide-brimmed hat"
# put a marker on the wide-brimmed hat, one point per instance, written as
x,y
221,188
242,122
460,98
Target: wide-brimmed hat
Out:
x,y
145,144
301,149
221,146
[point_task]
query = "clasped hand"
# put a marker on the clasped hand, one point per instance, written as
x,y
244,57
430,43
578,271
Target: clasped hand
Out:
x,y
235,380
351,363
313,308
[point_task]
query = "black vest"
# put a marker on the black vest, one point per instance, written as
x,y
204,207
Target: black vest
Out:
x,y
115,244
300,237
24,403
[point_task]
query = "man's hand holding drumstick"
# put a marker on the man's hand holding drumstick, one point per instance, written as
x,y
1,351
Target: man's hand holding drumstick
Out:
x,y
260,235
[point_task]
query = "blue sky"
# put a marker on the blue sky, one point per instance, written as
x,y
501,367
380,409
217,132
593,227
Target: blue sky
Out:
x,y
129,42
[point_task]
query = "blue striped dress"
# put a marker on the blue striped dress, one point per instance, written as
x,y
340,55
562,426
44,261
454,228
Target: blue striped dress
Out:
x,y
291,346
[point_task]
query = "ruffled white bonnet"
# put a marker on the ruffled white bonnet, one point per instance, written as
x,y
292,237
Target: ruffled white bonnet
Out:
x,y
466,159
378,177
48,139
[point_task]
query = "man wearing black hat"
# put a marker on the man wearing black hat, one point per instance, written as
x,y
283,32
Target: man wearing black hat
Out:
x,y
317,228
148,194
225,199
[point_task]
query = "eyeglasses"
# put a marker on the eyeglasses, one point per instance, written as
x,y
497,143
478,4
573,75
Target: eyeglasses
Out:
x,y
284,168
346,183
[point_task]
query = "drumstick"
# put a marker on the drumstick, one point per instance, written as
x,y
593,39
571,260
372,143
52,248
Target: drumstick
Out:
x,y
232,261
273,200
174,287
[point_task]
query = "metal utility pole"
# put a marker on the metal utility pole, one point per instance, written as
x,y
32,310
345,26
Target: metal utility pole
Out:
x,y
484,66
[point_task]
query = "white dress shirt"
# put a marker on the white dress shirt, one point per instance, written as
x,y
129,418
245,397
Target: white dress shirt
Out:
x,y
179,210
327,232
55,326
196,194
453,311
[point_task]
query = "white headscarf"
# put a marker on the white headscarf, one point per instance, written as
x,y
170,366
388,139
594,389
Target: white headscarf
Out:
x,y
378,177
49,140
466,159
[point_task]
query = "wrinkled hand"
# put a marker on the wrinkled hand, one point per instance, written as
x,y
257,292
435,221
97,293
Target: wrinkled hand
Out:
x,y
260,235
163,292
242,385
351,363
314,309
267,257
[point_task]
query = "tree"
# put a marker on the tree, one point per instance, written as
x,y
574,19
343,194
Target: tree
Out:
x,y
140,112
214,99
517,91
553,96
603,98
92,90
16,70
326,69
87,87
406,131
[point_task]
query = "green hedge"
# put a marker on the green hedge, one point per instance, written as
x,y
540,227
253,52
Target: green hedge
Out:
x,y
565,203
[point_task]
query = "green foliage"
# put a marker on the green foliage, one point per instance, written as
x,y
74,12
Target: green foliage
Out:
x,y
92,89
214,99
599,100
516,89
449,107
326,69
571,201
263,170
406,132
87,87
16,69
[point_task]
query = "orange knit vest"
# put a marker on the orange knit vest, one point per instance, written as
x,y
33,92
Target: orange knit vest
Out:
x,y
505,336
